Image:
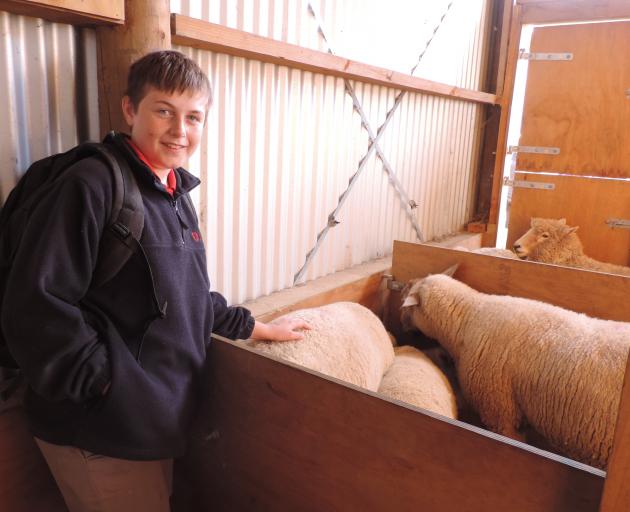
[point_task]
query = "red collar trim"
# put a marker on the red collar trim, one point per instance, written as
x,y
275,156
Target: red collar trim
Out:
x,y
171,179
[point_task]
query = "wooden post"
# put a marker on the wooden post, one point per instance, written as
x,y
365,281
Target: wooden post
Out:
x,y
505,101
500,12
147,28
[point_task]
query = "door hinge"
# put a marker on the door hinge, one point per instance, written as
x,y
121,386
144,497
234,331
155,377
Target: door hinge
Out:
x,y
545,56
528,184
619,223
534,149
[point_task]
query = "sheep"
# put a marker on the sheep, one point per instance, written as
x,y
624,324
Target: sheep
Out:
x,y
346,341
414,379
552,241
521,362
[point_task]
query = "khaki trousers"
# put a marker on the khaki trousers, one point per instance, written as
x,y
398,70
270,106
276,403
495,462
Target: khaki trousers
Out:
x,y
94,483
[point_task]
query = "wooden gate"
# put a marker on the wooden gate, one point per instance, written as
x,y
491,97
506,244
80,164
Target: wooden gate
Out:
x,y
579,104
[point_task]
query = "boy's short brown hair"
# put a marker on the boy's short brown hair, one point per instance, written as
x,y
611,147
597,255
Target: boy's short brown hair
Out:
x,y
168,71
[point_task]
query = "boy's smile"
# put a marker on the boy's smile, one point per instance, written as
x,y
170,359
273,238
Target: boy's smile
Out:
x,y
166,127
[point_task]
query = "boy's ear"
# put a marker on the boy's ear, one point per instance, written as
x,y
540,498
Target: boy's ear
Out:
x,y
128,110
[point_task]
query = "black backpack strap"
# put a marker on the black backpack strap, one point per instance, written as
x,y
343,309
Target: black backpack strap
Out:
x,y
124,229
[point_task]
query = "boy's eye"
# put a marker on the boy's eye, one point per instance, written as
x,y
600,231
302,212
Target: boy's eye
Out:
x,y
163,112
194,118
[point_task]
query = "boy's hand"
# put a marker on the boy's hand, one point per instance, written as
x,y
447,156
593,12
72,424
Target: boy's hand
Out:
x,y
284,329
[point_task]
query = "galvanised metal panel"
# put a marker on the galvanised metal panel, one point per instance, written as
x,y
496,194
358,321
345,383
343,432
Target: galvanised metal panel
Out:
x,y
280,147
37,104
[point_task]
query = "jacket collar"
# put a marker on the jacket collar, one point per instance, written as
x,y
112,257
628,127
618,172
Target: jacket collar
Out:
x,y
185,180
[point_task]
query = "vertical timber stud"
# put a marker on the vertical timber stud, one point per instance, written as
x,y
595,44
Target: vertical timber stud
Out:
x,y
504,90
616,496
500,12
147,28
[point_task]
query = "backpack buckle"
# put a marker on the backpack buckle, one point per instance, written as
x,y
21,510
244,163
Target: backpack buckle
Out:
x,y
121,230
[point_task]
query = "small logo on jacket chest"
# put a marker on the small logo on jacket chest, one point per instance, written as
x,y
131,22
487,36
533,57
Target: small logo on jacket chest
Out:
x,y
195,236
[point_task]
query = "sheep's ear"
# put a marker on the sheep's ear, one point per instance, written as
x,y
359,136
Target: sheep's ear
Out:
x,y
562,221
411,300
572,229
450,271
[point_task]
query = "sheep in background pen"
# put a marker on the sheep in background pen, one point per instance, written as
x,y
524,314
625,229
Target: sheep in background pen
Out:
x,y
523,362
346,341
552,241
413,378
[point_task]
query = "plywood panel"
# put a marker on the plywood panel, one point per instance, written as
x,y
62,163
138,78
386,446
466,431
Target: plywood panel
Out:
x,y
554,11
275,437
584,202
593,293
580,106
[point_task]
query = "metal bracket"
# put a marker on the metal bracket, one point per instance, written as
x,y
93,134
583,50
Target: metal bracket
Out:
x,y
619,223
545,56
534,149
528,184
392,284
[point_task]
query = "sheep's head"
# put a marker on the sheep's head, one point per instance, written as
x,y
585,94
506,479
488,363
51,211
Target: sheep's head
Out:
x,y
542,237
411,313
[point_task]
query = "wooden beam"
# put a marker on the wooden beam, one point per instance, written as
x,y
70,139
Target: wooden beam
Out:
x,y
75,12
505,101
566,11
217,38
147,28
272,436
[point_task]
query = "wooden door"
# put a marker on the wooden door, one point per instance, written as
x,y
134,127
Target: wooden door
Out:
x,y
582,107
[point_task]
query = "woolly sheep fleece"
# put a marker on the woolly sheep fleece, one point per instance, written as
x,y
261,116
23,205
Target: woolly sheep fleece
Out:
x,y
414,379
347,341
522,361
553,241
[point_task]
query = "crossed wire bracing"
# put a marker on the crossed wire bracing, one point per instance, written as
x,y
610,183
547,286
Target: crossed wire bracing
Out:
x,y
373,146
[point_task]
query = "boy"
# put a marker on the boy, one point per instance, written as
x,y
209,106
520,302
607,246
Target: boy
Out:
x,y
113,371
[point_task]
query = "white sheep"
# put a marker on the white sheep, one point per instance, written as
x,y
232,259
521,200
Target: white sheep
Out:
x,y
552,241
346,341
414,379
522,362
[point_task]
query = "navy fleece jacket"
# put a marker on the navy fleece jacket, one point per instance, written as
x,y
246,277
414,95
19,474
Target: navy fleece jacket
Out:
x,y
144,332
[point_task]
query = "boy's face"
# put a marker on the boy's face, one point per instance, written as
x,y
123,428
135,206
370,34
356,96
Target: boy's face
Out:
x,y
166,127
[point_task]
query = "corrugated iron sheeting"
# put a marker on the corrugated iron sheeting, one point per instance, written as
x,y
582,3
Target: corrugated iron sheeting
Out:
x,y
37,104
280,148
282,144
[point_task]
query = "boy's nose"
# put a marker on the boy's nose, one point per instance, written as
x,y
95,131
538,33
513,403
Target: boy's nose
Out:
x,y
178,127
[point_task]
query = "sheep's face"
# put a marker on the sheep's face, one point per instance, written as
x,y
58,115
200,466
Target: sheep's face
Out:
x,y
412,314
411,305
543,235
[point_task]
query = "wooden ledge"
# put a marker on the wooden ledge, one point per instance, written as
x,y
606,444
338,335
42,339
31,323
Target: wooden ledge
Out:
x,y
74,12
209,36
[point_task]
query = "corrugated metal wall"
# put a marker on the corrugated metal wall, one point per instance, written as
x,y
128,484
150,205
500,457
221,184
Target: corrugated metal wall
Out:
x,y
47,92
282,143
